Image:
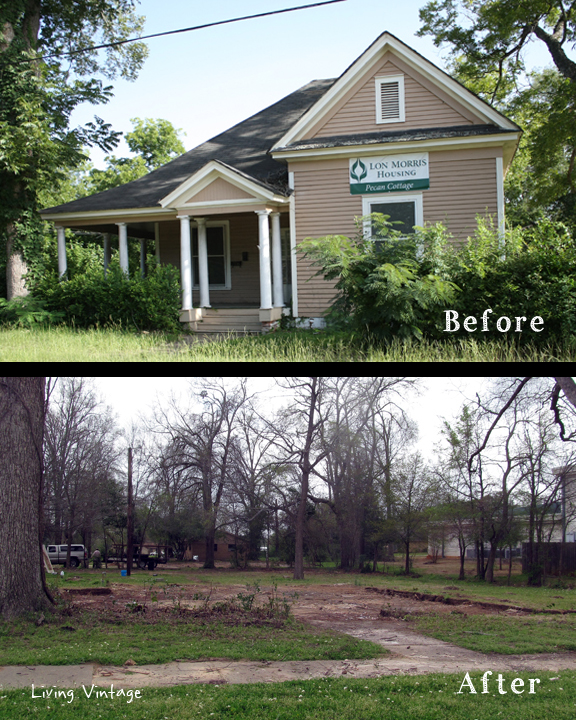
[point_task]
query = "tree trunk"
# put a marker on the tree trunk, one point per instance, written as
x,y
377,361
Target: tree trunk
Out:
x,y
305,468
462,574
300,520
21,436
489,577
15,270
209,558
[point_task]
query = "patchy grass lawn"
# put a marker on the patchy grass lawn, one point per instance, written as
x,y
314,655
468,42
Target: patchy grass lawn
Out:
x,y
421,697
506,635
79,640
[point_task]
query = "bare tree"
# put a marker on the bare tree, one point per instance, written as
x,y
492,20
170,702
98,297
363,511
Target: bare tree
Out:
x,y
561,394
22,411
80,458
413,492
463,485
203,440
307,399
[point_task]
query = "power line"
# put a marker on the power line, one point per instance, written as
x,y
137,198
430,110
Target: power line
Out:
x,y
183,30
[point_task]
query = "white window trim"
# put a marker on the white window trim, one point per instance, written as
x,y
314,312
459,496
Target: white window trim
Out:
x,y
416,198
227,266
383,79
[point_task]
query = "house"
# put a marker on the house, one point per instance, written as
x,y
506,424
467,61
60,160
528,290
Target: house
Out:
x,y
224,548
393,134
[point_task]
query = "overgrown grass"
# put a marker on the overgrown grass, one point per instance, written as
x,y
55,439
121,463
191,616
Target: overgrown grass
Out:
x,y
423,697
506,635
61,344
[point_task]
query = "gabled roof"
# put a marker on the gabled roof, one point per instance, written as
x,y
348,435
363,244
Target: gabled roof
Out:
x,y
248,150
485,113
243,147
250,188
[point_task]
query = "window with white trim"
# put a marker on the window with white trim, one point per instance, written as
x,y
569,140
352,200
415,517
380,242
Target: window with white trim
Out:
x,y
405,211
390,99
218,246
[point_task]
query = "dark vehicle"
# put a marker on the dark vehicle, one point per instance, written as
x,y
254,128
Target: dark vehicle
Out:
x,y
147,557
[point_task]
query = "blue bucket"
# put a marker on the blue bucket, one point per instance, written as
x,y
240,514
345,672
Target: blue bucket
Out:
x,y
123,573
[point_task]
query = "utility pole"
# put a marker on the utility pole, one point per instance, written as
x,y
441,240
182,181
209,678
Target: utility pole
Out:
x,y
130,516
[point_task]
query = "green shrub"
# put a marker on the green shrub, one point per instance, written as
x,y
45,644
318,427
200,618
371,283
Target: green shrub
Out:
x,y
27,312
90,300
529,272
396,286
382,285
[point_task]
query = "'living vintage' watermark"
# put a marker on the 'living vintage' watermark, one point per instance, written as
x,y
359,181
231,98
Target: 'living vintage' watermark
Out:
x,y
503,324
54,693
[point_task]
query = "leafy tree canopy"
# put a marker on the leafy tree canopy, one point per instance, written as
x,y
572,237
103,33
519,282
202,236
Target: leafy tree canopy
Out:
x,y
155,143
493,36
488,46
48,66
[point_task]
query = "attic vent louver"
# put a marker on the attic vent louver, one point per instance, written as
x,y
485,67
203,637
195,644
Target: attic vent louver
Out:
x,y
390,99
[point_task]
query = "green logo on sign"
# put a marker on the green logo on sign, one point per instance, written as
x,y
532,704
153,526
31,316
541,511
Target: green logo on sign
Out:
x,y
358,171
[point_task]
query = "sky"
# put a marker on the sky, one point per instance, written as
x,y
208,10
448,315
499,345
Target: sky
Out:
x,y
437,398
208,80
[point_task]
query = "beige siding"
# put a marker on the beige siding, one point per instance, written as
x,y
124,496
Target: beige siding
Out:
x,y
462,186
219,190
245,282
426,105
324,206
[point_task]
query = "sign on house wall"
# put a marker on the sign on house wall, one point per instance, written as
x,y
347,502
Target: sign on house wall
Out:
x,y
389,173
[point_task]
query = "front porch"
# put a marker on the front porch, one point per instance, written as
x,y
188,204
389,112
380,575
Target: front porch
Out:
x,y
228,235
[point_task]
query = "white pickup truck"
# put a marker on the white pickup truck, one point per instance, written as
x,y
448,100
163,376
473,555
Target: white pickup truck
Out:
x,y
58,553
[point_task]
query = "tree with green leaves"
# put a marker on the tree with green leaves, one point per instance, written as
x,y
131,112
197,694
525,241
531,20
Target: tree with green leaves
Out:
x,y
49,64
492,37
488,45
154,142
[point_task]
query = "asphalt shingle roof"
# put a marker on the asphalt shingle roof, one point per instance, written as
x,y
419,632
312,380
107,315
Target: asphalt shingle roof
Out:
x,y
378,138
244,147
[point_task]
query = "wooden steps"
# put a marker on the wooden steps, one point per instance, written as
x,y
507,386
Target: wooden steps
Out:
x,y
237,321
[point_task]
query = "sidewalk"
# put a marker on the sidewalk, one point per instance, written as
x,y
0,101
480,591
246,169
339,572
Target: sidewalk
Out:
x,y
410,653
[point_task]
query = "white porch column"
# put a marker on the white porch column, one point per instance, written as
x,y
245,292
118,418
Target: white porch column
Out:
x,y
185,262
123,246
62,264
264,247
277,261
203,263
106,252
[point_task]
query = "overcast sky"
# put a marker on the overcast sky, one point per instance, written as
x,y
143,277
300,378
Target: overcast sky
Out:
x,y
208,80
438,398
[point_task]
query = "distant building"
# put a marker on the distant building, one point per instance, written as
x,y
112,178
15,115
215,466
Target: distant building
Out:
x,y
224,549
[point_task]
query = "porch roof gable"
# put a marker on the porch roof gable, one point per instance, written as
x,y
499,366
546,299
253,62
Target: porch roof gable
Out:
x,y
243,187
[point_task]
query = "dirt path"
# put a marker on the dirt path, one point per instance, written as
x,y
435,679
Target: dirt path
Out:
x,y
346,608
